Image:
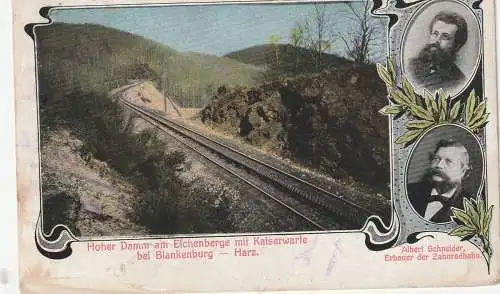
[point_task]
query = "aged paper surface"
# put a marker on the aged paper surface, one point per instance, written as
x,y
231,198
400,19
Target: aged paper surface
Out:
x,y
255,146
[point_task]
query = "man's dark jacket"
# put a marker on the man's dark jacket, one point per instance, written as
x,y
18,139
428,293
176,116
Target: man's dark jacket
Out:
x,y
419,194
445,78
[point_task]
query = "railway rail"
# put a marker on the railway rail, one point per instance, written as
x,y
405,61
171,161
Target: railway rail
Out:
x,y
349,215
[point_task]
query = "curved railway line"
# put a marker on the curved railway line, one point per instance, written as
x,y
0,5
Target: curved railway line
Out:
x,y
348,215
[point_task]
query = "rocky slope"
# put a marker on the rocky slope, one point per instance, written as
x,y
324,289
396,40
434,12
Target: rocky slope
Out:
x,y
91,198
83,193
328,121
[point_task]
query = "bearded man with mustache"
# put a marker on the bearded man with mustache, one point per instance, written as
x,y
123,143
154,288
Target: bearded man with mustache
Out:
x,y
441,187
434,67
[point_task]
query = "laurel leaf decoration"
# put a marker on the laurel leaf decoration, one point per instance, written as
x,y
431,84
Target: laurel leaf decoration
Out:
x,y
474,221
427,110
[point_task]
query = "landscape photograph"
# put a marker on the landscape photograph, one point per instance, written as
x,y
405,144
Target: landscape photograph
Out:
x,y
212,119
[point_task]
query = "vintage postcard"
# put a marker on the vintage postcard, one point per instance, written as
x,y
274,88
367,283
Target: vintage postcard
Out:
x,y
178,146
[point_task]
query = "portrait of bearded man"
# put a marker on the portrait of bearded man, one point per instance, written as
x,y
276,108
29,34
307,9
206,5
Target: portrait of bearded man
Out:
x,y
442,186
434,67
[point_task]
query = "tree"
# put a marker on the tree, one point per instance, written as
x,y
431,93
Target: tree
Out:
x,y
318,36
297,35
360,40
297,39
275,59
209,93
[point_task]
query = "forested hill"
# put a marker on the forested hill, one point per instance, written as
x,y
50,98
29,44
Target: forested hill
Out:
x,y
290,58
94,57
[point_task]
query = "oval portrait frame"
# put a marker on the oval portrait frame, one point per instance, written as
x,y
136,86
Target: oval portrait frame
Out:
x,y
411,155
478,48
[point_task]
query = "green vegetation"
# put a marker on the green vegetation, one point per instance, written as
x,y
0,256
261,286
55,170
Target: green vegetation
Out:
x,y
60,209
105,129
73,86
94,57
317,108
326,121
292,59
195,76
314,107
312,41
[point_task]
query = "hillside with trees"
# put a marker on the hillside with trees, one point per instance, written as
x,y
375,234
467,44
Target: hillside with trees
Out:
x,y
89,56
291,59
101,173
314,107
293,96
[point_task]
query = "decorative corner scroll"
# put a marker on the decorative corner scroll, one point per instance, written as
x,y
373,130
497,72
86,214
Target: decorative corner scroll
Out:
x,y
57,244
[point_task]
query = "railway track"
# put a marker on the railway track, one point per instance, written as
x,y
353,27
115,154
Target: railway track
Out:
x,y
234,172
349,215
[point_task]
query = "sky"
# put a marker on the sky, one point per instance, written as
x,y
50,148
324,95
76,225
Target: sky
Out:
x,y
211,29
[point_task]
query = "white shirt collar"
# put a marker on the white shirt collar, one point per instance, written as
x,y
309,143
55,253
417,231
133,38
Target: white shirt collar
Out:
x,y
448,194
